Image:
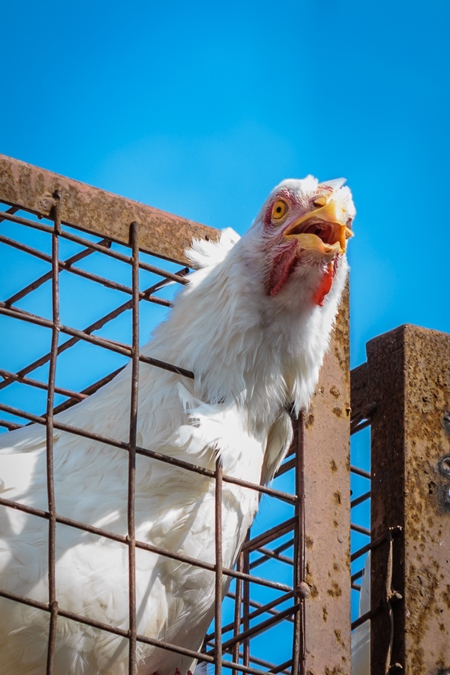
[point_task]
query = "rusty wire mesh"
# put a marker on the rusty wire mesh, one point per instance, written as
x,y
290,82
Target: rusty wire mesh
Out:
x,y
402,392
360,503
72,311
363,543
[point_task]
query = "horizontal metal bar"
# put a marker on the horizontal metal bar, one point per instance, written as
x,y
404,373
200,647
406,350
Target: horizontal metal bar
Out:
x,y
122,539
282,668
103,626
285,467
364,412
395,531
360,472
261,609
47,277
270,535
260,627
114,346
11,210
11,426
93,327
354,429
362,551
201,656
6,374
365,617
283,496
357,575
275,555
359,500
96,246
77,271
87,391
270,667
359,529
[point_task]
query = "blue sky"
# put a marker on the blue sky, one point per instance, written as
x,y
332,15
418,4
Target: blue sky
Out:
x,y
200,109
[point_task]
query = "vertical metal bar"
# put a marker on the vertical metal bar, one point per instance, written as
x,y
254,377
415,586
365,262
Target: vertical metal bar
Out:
x,y
299,645
237,611
246,605
49,439
219,565
132,666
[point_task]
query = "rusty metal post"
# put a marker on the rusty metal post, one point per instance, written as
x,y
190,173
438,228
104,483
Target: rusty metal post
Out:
x,y
409,378
96,211
327,513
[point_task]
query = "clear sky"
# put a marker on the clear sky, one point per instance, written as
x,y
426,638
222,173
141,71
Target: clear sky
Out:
x,y
201,108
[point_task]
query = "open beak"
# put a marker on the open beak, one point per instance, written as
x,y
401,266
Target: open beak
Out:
x,y
324,230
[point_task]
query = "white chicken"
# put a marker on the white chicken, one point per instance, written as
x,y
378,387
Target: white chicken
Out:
x,y
253,325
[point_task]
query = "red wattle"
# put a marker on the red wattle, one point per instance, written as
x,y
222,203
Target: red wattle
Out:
x,y
325,285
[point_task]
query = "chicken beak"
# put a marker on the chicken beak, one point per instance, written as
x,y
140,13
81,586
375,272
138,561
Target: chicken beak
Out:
x,y
330,221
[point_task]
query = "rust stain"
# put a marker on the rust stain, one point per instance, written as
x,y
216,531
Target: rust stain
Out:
x,y
309,420
338,635
446,596
335,591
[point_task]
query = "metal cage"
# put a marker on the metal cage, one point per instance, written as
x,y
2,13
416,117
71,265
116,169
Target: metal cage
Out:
x,y
90,274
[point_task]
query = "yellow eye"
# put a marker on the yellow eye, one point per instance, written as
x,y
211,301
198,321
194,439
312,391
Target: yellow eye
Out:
x,y
279,209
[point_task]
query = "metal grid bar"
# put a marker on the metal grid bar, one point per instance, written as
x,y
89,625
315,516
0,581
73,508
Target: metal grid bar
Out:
x,y
234,574
91,328
52,601
246,601
201,656
132,663
96,246
117,347
68,263
302,589
262,609
283,496
237,615
218,651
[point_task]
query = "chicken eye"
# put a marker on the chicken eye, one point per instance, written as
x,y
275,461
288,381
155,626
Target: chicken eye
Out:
x,y
279,209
